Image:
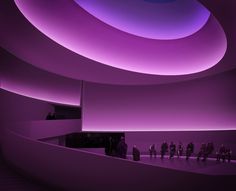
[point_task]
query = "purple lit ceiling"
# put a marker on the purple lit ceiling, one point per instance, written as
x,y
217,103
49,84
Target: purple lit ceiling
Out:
x,y
85,35
150,19
55,45
33,47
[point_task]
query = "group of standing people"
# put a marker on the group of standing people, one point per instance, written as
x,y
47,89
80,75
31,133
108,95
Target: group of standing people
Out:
x,y
119,149
205,150
223,154
179,149
116,148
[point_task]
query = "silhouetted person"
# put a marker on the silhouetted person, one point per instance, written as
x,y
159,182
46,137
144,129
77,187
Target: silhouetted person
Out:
x,y
209,150
109,146
136,153
217,156
221,153
53,116
152,151
202,152
180,149
172,149
228,154
189,150
122,148
49,116
164,149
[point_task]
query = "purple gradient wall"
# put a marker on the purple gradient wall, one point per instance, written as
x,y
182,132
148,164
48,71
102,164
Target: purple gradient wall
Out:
x,y
19,108
21,78
15,108
204,104
46,129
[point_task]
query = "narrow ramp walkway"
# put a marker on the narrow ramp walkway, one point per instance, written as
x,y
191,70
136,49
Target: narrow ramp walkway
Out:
x,y
209,167
11,180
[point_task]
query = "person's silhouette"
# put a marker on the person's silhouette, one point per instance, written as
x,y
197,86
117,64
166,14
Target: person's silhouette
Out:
x,y
49,116
136,153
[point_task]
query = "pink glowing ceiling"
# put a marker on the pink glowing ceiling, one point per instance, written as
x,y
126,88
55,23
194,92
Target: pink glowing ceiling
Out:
x,y
153,19
63,38
85,35
35,48
24,79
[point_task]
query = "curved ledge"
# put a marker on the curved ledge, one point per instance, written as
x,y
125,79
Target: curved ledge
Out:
x,y
42,129
71,169
24,79
118,49
33,47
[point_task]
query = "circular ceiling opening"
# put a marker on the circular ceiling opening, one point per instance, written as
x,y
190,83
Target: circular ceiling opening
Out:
x,y
155,19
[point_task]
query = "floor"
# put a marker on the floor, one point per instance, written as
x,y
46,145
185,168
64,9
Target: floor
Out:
x,y
210,166
10,180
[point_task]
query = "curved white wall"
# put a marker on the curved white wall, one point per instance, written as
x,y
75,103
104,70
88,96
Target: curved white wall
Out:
x,y
42,129
16,108
205,104
73,169
22,78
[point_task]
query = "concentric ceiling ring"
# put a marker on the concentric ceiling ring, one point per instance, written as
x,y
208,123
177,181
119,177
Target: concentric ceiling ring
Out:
x,y
155,19
82,33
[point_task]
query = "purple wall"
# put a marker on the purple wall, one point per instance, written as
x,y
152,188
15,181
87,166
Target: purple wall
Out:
x,y
19,108
42,129
27,80
204,104
15,108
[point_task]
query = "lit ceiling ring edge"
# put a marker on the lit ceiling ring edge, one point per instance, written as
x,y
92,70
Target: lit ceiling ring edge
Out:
x,y
163,20
115,48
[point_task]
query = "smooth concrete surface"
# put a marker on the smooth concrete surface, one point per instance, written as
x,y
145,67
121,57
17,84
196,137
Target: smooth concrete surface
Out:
x,y
46,128
73,169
